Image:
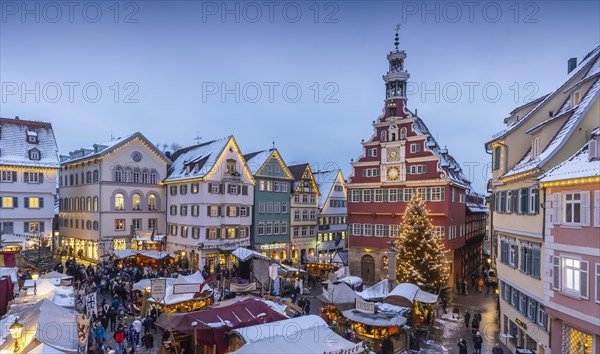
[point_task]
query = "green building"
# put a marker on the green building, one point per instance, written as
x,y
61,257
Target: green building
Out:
x,y
270,231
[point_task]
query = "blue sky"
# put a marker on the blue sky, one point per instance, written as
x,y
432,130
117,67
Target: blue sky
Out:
x,y
162,68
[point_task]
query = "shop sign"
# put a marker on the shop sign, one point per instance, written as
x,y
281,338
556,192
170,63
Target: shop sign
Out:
x,y
272,246
356,348
158,289
521,323
186,288
364,306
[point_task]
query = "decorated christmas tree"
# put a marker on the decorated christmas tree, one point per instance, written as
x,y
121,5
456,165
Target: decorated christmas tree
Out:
x,y
420,253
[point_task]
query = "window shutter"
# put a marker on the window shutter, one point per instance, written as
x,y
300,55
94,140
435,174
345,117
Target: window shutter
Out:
x,y
221,188
237,211
555,273
244,190
40,177
597,276
208,210
15,202
218,232
515,201
43,224
220,211
207,232
585,208
26,202
597,213
584,279
524,201
14,176
41,202
26,177
516,257
556,201
522,258
210,188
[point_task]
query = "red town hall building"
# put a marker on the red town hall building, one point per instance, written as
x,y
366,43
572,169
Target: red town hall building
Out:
x,y
402,158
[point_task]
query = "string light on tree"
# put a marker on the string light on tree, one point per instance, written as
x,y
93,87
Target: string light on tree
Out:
x,y
421,255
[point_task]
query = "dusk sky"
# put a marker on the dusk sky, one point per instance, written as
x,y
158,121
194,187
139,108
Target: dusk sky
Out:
x,y
161,68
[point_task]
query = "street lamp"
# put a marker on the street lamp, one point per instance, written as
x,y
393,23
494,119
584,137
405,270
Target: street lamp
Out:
x,y
15,332
194,324
35,277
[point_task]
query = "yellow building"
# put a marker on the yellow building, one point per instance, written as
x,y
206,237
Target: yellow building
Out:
x,y
539,135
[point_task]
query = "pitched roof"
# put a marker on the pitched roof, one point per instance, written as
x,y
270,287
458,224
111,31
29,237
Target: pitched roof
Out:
x,y
256,160
200,158
325,181
298,171
593,55
528,163
577,166
98,150
14,148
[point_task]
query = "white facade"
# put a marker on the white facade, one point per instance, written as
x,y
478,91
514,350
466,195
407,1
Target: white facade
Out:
x,y
333,214
28,168
109,191
210,195
304,207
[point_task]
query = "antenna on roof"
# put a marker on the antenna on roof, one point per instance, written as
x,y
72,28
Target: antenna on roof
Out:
x,y
111,136
198,137
273,144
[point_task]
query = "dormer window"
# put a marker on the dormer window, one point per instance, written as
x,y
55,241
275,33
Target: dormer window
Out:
x,y
535,148
230,167
34,154
403,133
32,137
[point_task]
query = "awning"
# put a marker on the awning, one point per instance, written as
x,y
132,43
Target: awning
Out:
x,y
244,254
406,293
351,280
11,272
154,254
147,237
374,319
377,292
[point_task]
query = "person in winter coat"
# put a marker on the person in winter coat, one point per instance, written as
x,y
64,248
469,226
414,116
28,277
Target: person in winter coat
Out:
x,y
462,346
119,338
137,326
497,349
112,318
148,342
477,342
99,333
147,323
132,336
467,318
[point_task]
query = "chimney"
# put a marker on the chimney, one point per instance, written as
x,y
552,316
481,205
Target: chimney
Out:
x,y
168,154
571,64
17,117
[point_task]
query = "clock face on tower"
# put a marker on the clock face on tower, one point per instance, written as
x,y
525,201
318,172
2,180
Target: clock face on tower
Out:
x,y
393,154
393,173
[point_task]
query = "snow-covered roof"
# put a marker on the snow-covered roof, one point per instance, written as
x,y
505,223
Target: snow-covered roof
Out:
x,y
14,145
377,291
577,166
244,254
379,319
101,149
256,160
528,163
36,319
13,273
200,159
404,294
325,180
593,55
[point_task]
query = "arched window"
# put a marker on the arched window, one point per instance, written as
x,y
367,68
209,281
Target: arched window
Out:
x,y
71,206
88,177
95,225
145,176
403,133
88,225
152,202
95,176
82,204
119,201
95,207
383,137
136,202
153,177
136,176
127,175
367,268
118,174
88,204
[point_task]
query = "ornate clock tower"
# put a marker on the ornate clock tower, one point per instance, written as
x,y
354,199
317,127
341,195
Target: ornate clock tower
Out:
x,y
401,159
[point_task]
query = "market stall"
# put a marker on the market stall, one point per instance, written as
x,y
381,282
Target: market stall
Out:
x,y
308,334
377,292
143,258
253,267
411,296
320,270
212,324
147,241
36,319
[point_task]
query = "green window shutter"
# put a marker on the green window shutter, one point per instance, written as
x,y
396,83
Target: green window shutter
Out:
x,y
524,198
40,177
42,226
515,201
26,202
207,232
537,200
221,188
210,187
208,210
41,202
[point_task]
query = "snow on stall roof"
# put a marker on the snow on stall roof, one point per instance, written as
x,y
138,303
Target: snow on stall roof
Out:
x,y
201,159
14,148
244,254
577,166
593,55
255,160
325,181
257,333
561,137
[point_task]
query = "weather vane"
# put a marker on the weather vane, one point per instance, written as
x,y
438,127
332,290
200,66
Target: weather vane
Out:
x,y
396,41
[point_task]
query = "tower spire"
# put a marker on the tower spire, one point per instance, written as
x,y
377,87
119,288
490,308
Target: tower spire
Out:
x,y
396,40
